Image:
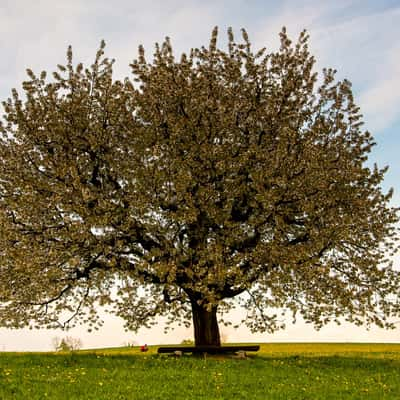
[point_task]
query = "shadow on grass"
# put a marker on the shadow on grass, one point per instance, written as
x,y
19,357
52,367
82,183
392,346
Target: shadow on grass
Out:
x,y
95,359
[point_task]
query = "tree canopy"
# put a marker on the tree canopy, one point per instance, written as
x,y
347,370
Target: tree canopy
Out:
x,y
222,175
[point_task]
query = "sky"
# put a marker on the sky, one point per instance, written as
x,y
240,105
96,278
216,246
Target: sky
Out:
x,y
358,38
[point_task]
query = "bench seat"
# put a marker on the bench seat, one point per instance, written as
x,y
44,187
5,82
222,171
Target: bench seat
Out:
x,y
208,349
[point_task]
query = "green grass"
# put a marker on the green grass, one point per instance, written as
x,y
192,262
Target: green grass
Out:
x,y
278,371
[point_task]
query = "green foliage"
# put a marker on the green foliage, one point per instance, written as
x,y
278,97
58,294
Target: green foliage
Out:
x,y
67,344
201,178
321,371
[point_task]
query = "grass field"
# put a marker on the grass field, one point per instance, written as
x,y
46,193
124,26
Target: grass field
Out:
x,y
278,371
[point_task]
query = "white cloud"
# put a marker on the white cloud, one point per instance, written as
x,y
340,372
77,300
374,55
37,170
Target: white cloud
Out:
x,y
362,47
380,102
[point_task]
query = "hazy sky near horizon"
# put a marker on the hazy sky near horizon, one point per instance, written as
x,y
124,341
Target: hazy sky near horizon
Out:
x,y
361,39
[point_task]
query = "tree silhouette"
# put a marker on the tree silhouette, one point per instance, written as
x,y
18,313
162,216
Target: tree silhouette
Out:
x,y
223,173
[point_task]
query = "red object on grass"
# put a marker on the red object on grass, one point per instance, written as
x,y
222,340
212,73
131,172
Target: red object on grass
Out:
x,y
144,348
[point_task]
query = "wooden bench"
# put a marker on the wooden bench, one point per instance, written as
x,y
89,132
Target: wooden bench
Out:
x,y
208,349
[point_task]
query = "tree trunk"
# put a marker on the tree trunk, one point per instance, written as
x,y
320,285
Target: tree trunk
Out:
x,y
206,331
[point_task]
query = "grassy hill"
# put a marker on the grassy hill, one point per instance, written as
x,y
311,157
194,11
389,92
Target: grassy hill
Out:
x,y
278,371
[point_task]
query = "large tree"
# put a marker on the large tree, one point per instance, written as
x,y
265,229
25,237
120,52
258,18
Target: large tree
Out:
x,y
223,173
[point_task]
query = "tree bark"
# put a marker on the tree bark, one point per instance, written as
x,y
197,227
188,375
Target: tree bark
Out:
x,y
206,331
